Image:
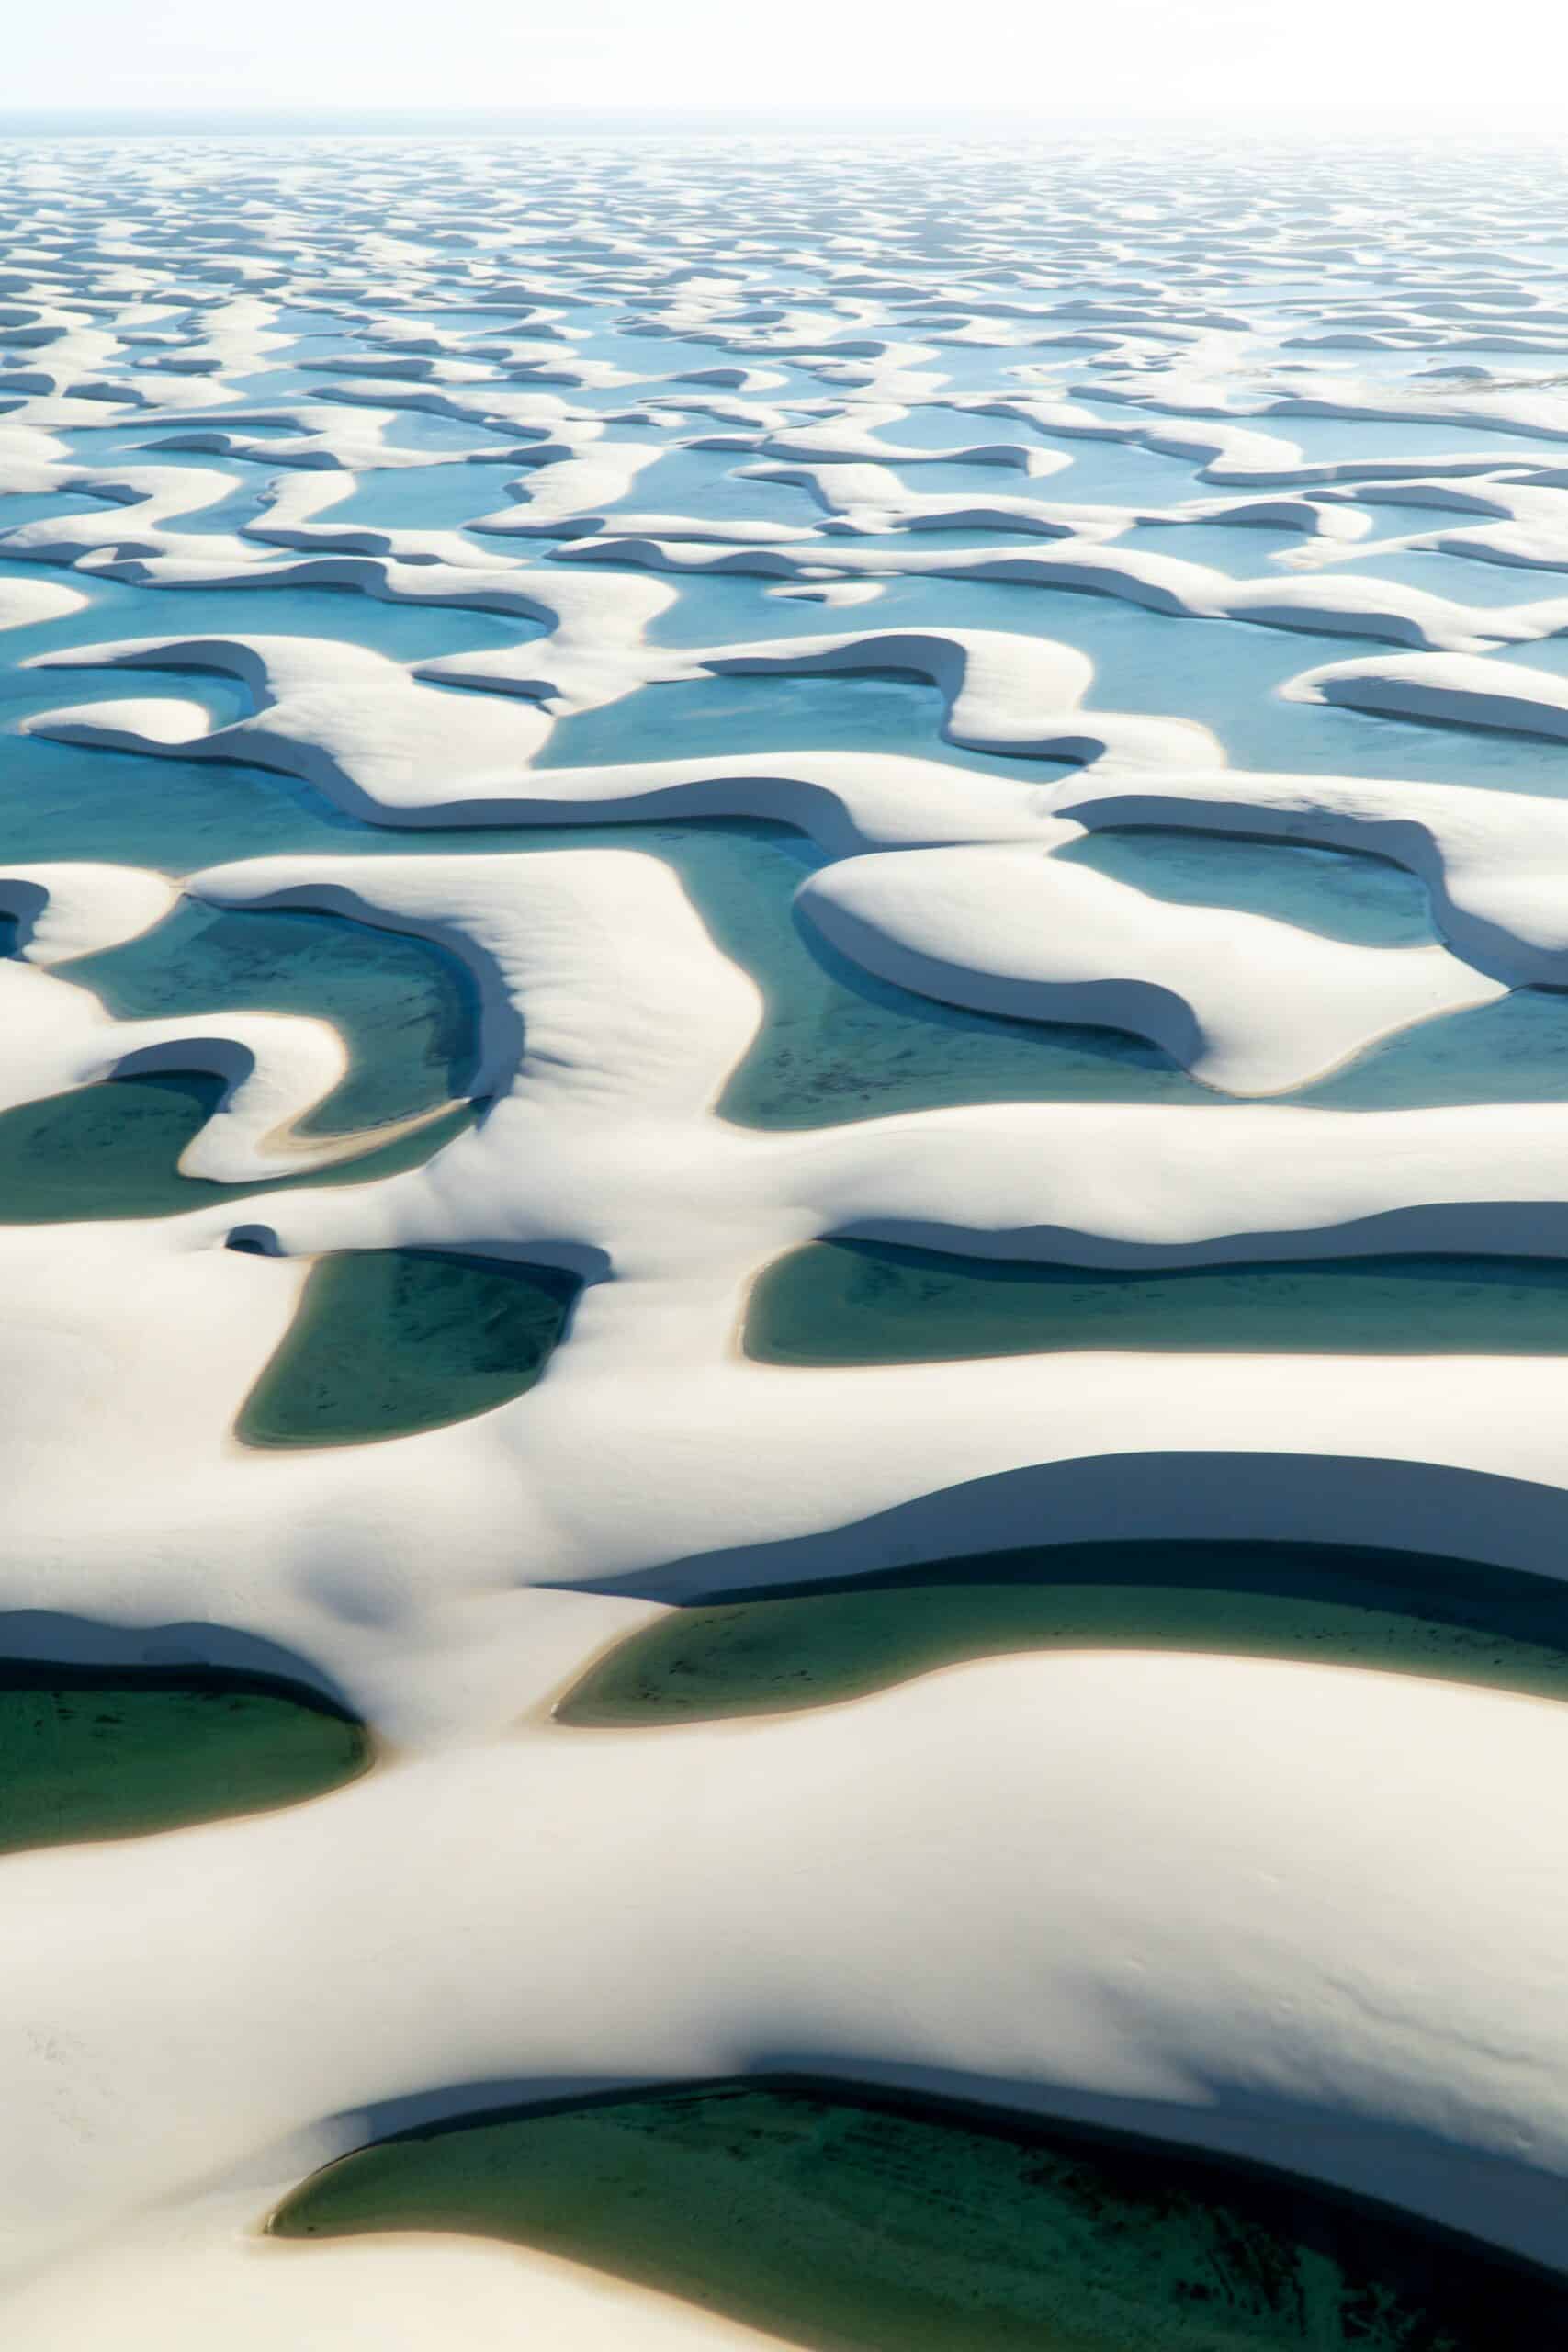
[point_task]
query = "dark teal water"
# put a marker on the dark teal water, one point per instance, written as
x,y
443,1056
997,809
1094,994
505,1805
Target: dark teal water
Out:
x,y
406,1009
387,1342
113,1150
773,1649
868,1302
840,2219
103,1752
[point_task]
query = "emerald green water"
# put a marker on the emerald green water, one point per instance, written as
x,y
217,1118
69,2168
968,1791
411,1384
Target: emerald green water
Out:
x,y
871,1301
806,1645
842,2220
90,1753
387,1342
113,1151
405,1009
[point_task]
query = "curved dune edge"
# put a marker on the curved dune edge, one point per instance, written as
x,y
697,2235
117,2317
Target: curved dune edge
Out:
x,y
369,732
1324,604
1459,691
25,603
182,2279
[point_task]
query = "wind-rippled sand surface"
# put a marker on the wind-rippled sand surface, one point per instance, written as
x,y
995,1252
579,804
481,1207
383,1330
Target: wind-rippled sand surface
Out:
x,y
737,878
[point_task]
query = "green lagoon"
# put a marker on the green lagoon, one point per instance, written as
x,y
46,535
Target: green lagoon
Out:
x,y
809,1645
870,1302
113,1150
388,1341
840,2220
89,1752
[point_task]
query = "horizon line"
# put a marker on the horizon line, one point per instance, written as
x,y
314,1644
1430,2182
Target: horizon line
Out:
x,y
748,116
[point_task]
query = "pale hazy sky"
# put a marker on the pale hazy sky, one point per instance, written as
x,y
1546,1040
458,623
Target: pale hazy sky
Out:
x,y
1043,55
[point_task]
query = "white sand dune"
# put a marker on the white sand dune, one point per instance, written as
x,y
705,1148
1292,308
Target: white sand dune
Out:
x,y
1254,1006
1324,604
1016,402
1453,690
209,2274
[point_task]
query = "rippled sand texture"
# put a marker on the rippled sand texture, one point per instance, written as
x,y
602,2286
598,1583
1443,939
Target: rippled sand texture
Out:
x,y
783,1111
